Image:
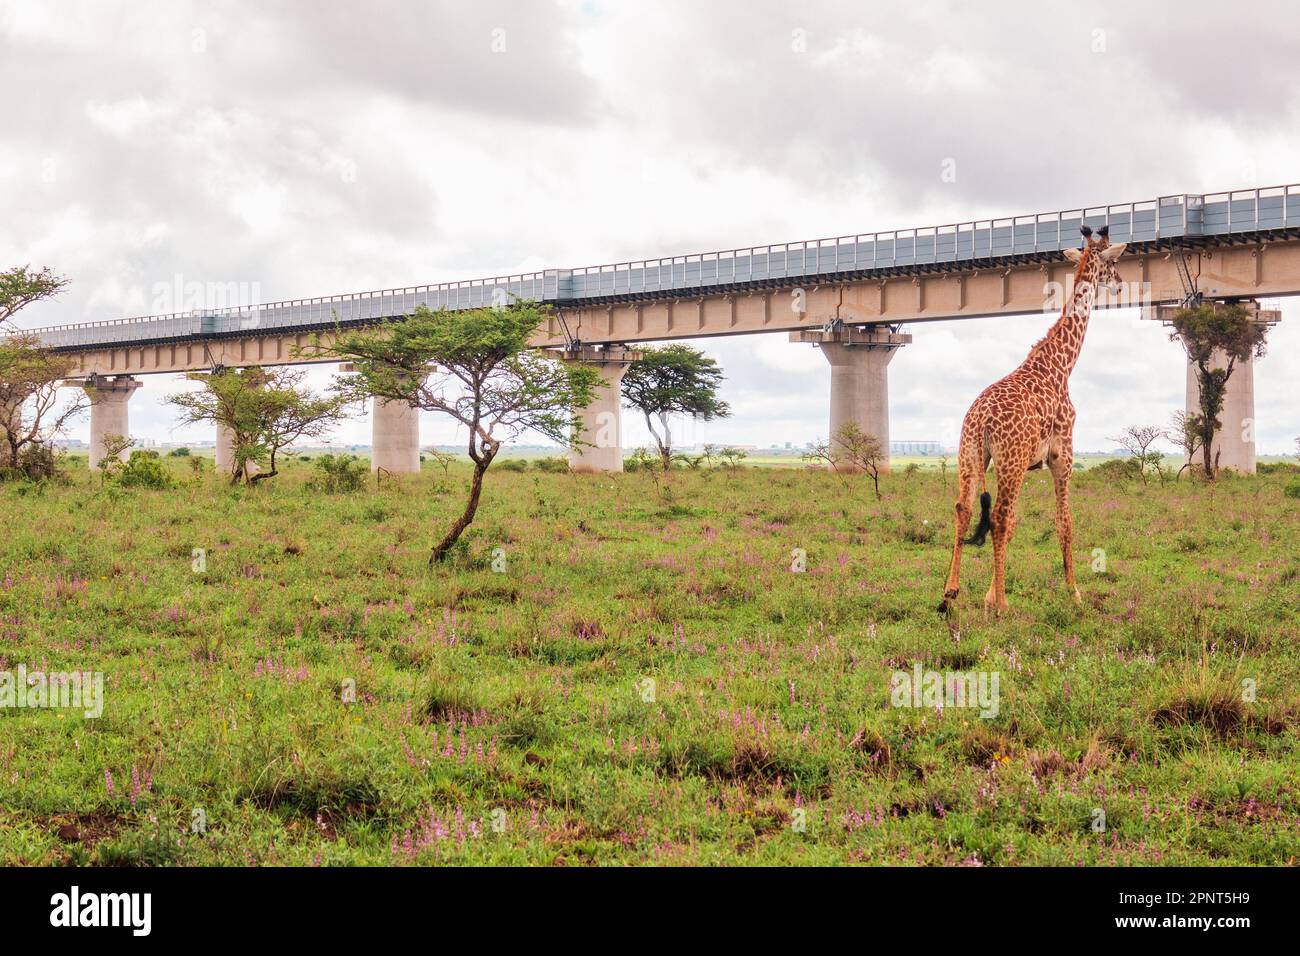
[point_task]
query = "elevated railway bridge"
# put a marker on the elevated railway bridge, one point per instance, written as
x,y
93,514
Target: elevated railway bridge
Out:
x,y
851,296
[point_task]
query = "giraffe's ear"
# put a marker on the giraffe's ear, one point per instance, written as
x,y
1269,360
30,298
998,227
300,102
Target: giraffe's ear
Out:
x,y
1074,255
1111,253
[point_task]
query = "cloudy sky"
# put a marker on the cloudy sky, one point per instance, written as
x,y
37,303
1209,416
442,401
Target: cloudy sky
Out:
x,y
298,149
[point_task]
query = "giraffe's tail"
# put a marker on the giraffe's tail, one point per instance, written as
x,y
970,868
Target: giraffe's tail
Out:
x,y
982,529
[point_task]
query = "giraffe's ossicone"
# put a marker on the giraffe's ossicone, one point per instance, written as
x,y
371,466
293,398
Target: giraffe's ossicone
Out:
x,y
1026,421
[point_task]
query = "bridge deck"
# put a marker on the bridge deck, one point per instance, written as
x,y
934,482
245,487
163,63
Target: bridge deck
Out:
x,y
1272,212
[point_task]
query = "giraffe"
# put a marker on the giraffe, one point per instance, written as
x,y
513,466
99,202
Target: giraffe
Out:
x,y
1026,421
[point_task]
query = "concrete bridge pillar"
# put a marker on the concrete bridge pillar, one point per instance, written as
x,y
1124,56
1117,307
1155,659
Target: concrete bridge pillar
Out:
x,y
859,359
109,399
602,420
1234,445
225,450
395,437
225,443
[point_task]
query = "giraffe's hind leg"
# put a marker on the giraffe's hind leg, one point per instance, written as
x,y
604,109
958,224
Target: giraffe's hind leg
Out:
x,y
1011,475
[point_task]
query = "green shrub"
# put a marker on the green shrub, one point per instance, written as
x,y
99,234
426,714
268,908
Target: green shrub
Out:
x,y
340,474
1292,489
552,465
916,532
642,460
513,464
1115,469
732,457
36,462
179,453
144,470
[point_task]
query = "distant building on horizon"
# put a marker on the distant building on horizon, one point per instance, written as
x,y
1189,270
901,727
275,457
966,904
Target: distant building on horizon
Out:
x,y
915,448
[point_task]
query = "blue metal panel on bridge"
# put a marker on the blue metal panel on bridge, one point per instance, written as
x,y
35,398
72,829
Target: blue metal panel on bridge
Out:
x,y
957,245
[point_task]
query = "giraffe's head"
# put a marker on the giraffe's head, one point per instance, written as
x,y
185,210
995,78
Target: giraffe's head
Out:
x,y
1097,258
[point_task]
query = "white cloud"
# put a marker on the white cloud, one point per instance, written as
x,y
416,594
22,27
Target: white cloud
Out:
x,y
124,118
313,153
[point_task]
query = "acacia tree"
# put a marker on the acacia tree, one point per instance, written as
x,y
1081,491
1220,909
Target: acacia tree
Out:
x,y
31,416
673,380
851,450
478,368
1137,441
21,286
265,410
1207,332
1184,431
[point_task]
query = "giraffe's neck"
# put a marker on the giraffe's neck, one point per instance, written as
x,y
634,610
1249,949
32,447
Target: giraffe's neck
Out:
x,y
1059,350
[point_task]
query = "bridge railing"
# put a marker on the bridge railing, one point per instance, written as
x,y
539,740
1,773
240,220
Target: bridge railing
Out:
x,y
1149,220
307,313
1165,217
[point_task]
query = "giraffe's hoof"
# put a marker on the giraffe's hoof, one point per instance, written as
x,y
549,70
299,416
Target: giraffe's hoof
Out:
x,y
949,599
996,606
1078,598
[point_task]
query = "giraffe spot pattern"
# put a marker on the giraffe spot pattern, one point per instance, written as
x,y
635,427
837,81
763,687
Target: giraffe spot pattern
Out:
x,y
1026,421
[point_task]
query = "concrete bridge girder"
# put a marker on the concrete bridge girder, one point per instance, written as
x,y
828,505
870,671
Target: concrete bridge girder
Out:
x,y
1151,278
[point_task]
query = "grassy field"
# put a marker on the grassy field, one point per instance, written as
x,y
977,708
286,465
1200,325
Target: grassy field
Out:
x,y
637,675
